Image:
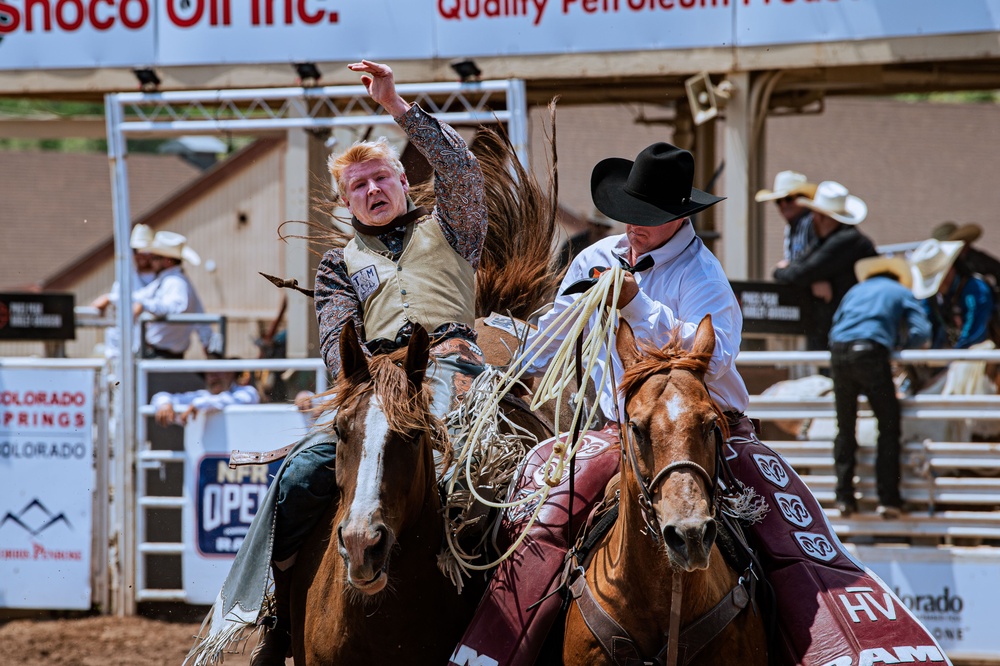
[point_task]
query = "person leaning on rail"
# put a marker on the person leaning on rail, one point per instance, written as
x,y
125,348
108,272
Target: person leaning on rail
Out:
x,y
876,316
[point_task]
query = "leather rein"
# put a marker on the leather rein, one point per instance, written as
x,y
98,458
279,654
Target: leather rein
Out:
x,y
681,645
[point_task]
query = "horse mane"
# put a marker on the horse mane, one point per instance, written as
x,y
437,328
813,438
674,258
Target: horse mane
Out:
x,y
659,360
404,413
517,271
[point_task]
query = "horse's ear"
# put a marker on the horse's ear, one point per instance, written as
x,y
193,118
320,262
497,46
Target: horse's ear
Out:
x,y
417,355
628,350
704,337
352,356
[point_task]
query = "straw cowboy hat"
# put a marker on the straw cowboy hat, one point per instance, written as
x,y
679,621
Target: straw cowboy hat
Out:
x,y
929,263
869,266
967,233
787,184
174,246
654,189
833,200
141,237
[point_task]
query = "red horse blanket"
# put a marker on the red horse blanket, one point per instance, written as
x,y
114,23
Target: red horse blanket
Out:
x,y
510,624
832,611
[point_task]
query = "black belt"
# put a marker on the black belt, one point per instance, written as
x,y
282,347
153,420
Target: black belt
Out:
x,y
156,352
386,346
856,346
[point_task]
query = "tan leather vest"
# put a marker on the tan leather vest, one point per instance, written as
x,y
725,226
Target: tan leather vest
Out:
x,y
430,284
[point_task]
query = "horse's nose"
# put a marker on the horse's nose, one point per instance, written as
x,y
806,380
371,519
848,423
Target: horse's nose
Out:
x,y
365,546
378,549
691,542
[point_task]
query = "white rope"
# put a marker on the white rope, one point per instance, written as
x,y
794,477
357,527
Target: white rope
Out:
x,y
569,325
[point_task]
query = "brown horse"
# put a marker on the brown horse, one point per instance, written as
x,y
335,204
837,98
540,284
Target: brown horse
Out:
x,y
370,589
661,548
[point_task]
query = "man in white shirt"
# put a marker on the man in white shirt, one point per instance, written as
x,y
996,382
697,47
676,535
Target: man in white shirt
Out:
x,y
142,274
172,293
674,282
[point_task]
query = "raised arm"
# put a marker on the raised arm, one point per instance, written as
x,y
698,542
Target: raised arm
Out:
x,y
459,189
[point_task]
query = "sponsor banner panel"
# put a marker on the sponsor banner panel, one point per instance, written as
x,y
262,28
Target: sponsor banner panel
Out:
x,y
225,501
953,593
48,34
46,488
524,27
111,33
262,31
763,22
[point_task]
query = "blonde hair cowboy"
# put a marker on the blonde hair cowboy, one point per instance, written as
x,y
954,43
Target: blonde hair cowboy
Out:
x,y
363,151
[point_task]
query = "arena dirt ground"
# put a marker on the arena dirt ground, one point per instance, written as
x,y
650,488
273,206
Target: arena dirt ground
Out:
x,y
100,641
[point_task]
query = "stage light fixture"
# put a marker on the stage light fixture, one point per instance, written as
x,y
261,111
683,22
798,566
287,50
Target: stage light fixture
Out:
x,y
148,79
467,70
308,73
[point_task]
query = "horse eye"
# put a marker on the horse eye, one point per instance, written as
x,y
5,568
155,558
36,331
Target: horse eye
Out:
x,y
636,432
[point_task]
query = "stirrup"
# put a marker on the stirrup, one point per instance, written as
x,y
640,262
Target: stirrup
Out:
x,y
274,647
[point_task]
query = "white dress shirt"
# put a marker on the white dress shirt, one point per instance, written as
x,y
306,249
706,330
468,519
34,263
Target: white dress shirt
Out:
x,y
112,341
685,283
172,293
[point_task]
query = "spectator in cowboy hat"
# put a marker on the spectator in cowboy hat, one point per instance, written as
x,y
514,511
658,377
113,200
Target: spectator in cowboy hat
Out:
x,y
972,259
876,316
828,268
142,274
958,303
172,293
799,234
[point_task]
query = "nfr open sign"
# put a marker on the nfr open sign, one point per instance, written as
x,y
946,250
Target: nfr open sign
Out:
x,y
228,500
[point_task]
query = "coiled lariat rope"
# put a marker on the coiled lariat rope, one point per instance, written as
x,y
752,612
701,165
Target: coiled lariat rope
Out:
x,y
476,424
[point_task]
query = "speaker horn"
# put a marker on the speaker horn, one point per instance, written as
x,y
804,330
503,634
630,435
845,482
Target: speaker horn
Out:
x,y
706,99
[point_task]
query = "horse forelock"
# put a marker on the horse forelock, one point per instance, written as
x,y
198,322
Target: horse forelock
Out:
x,y
661,360
405,412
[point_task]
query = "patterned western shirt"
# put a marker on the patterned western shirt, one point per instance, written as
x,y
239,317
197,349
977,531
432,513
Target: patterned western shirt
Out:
x,y
460,210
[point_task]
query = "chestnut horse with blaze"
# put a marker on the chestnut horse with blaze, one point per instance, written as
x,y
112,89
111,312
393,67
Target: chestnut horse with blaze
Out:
x,y
661,548
370,590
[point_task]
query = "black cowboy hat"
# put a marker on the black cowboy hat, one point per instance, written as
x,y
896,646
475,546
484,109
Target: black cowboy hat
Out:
x,y
652,190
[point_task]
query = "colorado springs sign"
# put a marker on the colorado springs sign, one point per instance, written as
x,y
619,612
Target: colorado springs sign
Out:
x,y
126,33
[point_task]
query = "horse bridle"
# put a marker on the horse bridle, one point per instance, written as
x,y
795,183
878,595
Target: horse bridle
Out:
x,y
648,488
622,649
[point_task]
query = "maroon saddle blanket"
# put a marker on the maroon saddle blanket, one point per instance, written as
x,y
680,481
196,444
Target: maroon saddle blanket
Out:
x,y
510,625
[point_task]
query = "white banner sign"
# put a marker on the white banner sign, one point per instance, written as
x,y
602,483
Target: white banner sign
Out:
x,y
224,501
953,593
122,33
46,487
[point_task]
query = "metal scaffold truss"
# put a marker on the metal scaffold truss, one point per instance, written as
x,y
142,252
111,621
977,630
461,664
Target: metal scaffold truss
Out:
x,y
289,108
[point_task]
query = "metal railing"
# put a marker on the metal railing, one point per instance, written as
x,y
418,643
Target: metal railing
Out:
x,y
148,458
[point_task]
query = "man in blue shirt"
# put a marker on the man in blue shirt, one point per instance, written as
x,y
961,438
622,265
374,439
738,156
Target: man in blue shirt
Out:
x,y
877,315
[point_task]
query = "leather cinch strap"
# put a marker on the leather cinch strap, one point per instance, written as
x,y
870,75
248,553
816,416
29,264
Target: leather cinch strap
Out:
x,y
237,457
622,649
